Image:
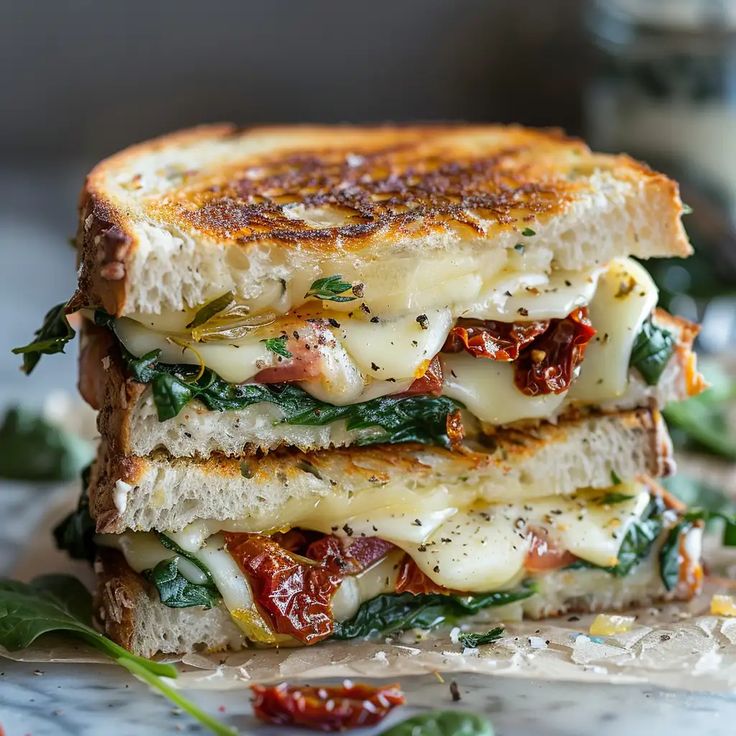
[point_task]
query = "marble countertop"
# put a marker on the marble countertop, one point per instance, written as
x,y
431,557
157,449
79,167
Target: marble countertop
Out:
x,y
51,699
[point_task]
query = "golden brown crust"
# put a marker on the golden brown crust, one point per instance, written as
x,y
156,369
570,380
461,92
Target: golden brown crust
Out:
x,y
385,182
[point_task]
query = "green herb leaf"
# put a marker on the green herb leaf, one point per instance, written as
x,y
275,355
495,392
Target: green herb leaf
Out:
x,y
175,591
277,345
471,640
174,547
330,289
613,497
669,555
50,338
209,310
36,450
54,603
652,350
527,232
75,534
421,418
442,723
391,612
615,478
520,247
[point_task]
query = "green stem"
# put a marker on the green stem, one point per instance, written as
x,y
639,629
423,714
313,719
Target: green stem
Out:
x,y
118,653
143,673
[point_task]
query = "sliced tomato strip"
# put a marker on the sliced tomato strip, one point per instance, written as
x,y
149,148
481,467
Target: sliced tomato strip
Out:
x,y
549,363
327,709
430,382
492,339
544,555
412,580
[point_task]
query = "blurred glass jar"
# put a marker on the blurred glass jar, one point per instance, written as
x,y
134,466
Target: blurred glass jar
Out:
x,y
665,91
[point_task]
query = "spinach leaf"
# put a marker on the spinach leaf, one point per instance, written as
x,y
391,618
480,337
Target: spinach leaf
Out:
x,y
75,533
330,288
54,603
392,612
421,418
36,450
637,544
471,640
175,591
652,350
669,555
51,337
442,723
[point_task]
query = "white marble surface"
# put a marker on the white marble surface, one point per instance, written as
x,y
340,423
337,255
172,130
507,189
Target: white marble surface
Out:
x,y
41,700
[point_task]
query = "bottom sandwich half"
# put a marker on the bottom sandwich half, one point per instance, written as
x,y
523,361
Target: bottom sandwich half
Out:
x,y
217,585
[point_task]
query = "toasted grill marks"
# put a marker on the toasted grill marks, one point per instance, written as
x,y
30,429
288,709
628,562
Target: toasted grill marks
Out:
x,y
420,186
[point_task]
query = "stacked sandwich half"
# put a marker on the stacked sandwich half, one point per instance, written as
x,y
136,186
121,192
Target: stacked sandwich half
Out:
x,y
355,380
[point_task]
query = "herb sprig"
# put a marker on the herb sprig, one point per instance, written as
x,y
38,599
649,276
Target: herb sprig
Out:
x,y
331,289
51,337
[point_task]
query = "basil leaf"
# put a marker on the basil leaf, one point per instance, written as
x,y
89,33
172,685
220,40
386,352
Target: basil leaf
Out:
x,y
75,533
277,345
420,418
651,352
391,612
54,603
330,288
472,640
442,723
209,310
175,591
36,450
51,337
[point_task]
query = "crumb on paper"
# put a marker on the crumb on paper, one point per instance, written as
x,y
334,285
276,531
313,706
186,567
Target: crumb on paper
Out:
x,y
381,657
536,642
455,635
605,624
723,605
455,692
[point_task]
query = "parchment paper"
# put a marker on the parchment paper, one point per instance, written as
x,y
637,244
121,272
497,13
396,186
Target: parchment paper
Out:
x,y
673,645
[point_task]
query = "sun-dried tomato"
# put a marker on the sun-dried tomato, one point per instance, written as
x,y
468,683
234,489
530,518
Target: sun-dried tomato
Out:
x,y
488,338
430,382
295,594
411,579
328,709
548,364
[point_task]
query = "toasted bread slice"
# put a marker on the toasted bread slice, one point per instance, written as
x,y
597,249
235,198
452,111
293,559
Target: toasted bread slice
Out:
x,y
130,612
160,492
174,222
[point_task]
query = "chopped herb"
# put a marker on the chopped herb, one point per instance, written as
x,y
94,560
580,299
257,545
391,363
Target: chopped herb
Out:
x,y
331,289
613,497
277,345
51,337
527,232
209,310
615,479
423,321
520,247
471,640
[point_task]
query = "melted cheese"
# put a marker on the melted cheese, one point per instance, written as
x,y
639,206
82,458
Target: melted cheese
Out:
x,y
363,359
459,543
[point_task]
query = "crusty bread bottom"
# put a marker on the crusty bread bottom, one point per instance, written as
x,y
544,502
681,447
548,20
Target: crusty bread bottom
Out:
x,y
131,614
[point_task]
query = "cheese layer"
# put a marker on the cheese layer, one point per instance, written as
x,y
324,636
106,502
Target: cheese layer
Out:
x,y
362,355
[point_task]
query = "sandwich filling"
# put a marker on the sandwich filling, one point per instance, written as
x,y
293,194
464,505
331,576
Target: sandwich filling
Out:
x,y
527,346
312,572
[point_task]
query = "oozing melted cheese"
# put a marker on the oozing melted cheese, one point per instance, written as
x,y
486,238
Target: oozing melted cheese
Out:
x,y
365,356
458,542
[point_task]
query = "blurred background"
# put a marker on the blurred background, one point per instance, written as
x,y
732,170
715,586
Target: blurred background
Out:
x,y
84,78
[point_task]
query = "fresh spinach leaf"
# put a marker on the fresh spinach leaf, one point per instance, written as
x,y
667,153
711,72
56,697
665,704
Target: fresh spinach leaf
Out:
x,y
174,547
473,640
175,591
75,533
421,418
54,603
442,723
653,347
51,337
669,555
392,612
331,289
36,450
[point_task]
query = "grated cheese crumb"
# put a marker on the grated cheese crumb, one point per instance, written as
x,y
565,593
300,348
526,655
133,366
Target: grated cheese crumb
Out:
x,y
607,625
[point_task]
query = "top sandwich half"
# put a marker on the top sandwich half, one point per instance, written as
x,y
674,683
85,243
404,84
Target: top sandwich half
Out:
x,y
321,286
